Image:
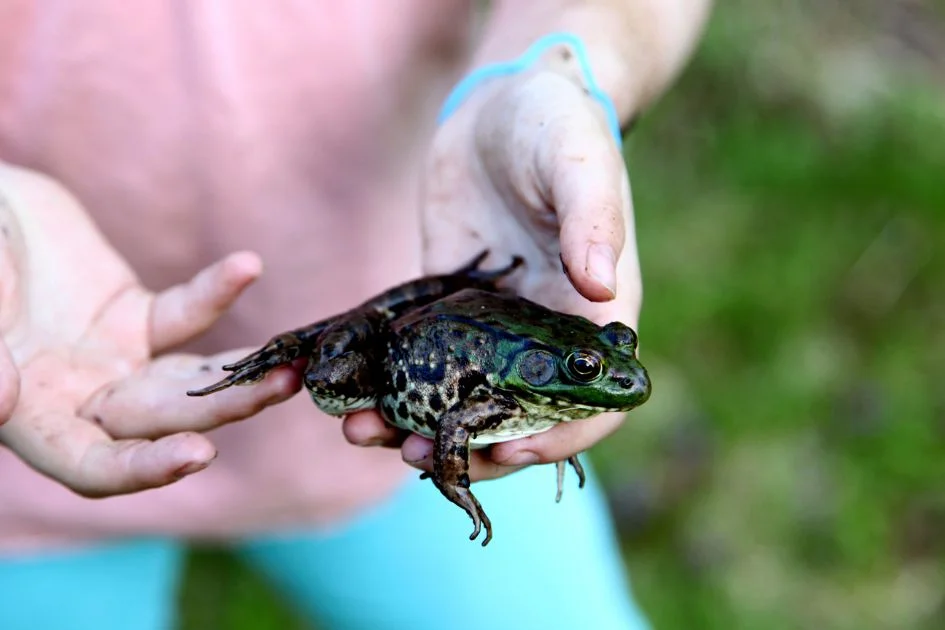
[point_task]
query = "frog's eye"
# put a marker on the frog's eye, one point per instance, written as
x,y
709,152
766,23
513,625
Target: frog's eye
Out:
x,y
621,335
584,367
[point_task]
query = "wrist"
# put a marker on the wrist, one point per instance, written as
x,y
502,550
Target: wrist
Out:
x,y
562,53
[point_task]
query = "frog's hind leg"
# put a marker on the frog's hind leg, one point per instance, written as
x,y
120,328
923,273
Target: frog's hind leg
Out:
x,y
281,350
578,468
405,297
451,454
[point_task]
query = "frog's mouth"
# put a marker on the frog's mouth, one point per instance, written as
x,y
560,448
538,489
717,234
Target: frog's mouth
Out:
x,y
619,392
562,409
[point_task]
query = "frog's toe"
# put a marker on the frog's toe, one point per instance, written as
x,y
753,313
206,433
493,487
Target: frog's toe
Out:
x,y
578,468
280,350
494,275
252,361
245,372
560,466
466,500
473,264
238,378
210,389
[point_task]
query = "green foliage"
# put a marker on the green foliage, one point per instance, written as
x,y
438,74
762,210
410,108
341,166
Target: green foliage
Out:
x,y
789,471
221,593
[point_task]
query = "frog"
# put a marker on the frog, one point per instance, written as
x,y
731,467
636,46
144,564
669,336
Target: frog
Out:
x,y
462,360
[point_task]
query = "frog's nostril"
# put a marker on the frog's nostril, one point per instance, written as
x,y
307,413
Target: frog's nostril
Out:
x,y
638,382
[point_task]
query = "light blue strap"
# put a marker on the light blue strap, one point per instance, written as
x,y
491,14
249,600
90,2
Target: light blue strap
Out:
x,y
471,81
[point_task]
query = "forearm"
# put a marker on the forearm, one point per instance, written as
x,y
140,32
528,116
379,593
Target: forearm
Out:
x,y
636,47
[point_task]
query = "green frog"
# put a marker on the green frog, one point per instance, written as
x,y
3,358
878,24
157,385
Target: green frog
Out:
x,y
458,360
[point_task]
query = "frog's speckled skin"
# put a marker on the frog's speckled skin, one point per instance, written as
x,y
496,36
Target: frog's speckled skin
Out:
x,y
456,360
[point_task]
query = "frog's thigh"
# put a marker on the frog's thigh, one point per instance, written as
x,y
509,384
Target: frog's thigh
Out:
x,y
409,564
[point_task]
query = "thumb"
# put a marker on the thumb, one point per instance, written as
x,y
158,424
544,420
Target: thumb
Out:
x,y
9,384
583,174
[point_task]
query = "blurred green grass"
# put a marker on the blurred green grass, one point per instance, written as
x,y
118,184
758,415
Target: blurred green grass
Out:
x,y
789,470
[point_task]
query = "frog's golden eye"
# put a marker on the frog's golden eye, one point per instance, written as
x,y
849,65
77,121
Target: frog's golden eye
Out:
x,y
584,367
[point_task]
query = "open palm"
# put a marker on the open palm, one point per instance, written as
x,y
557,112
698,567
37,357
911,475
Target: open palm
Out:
x,y
85,403
528,168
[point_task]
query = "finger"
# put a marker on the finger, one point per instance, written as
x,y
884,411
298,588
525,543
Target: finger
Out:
x,y
583,174
85,459
368,428
9,384
559,443
155,403
188,309
417,451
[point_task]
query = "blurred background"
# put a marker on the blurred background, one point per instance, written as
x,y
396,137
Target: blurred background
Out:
x,y
789,471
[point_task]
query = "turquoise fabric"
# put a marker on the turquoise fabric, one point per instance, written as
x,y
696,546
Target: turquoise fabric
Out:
x,y
127,586
405,564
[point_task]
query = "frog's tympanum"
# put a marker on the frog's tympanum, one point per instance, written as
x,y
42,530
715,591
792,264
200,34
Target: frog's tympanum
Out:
x,y
459,361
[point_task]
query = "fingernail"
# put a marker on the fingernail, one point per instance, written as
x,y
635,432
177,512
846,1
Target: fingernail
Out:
x,y
374,441
417,457
601,265
521,458
189,469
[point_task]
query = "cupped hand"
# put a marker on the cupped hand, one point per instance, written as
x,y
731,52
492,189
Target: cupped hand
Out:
x,y
529,167
84,398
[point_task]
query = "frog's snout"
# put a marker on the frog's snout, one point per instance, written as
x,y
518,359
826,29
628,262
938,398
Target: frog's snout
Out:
x,y
637,384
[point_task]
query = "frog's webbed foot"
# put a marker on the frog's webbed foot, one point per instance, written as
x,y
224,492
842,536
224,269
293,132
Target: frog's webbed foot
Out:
x,y
281,350
578,468
456,489
451,455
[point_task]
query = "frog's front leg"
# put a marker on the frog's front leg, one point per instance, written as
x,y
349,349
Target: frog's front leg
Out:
x,y
281,350
451,453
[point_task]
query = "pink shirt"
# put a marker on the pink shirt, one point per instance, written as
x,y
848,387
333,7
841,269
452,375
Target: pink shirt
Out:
x,y
192,129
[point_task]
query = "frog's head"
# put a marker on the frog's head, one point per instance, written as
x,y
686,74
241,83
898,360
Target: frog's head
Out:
x,y
600,374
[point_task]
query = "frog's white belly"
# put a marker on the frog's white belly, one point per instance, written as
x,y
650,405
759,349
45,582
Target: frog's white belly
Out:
x,y
512,429
536,418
